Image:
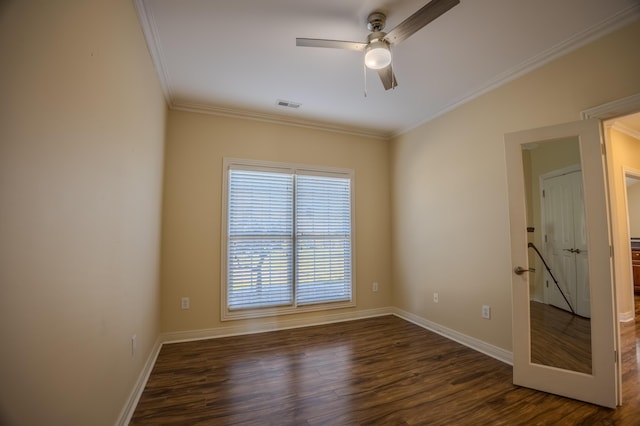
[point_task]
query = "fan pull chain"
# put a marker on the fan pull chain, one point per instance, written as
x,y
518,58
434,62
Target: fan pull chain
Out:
x,y
364,70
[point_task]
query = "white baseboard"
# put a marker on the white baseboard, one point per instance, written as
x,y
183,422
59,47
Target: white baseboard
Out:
x,y
471,342
141,382
262,325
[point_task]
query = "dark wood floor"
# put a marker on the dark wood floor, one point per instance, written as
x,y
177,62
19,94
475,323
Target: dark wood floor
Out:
x,y
560,338
375,371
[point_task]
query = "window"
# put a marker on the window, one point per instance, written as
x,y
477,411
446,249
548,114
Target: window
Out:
x,y
287,245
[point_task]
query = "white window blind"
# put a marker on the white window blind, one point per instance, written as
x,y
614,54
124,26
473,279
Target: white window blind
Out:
x,y
260,239
288,238
323,239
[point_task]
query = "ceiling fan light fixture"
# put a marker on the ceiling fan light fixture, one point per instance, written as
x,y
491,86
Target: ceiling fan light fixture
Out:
x,y
377,55
377,49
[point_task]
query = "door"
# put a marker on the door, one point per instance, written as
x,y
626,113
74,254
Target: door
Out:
x,y
527,157
565,241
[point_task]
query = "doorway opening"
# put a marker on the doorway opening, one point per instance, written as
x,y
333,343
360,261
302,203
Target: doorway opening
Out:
x,y
632,183
622,140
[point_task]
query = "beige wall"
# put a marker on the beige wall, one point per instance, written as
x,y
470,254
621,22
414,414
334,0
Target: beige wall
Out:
x,y
633,197
450,222
624,151
196,146
81,157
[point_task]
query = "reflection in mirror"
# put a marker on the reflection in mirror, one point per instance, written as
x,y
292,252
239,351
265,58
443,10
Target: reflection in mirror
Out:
x,y
559,287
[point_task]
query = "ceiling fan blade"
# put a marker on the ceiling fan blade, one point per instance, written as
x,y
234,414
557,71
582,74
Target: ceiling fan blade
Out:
x,y
422,17
334,44
387,77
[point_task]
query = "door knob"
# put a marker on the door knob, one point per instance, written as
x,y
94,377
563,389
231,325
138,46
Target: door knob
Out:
x,y
519,270
572,250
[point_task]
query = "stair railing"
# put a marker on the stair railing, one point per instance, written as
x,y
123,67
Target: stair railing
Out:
x,y
531,245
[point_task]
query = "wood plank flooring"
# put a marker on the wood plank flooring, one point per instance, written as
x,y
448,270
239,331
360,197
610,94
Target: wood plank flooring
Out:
x,y
560,339
377,371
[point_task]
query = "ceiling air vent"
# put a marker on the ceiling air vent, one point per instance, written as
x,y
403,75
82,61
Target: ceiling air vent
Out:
x,y
287,104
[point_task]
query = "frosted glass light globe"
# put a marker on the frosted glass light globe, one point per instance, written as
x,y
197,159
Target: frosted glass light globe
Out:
x,y
377,55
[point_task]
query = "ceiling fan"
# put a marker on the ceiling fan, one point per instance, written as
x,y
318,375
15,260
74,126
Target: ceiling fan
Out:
x,y
377,48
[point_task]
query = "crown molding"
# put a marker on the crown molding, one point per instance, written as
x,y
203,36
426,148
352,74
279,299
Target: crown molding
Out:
x,y
150,31
278,119
620,127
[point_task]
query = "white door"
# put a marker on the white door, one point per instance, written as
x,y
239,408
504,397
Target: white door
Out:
x,y
601,385
564,235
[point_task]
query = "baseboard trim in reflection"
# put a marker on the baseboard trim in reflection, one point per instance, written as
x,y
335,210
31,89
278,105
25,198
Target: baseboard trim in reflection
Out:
x,y
626,316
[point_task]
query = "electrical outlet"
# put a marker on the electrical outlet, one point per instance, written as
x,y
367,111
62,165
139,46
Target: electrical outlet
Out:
x,y
486,311
134,344
374,286
435,297
185,303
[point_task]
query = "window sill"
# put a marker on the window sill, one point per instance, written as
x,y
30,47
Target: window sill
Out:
x,y
241,314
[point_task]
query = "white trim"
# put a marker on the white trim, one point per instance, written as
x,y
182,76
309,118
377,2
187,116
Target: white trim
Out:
x,y
273,324
574,168
611,110
631,172
468,341
279,119
284,167
278,311
614,109
132,401
150,32
536,299
626,316
559,172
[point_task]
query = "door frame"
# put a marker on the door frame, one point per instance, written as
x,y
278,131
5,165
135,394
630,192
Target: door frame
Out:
x,y
543,215
635,174
602,112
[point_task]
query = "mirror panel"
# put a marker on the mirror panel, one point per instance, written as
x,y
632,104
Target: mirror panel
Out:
x,y
559,291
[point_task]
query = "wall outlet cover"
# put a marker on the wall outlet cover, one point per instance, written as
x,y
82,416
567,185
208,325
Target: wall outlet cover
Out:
x,y
486,312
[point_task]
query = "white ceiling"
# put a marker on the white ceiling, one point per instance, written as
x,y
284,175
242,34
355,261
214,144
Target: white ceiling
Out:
x,y
238,57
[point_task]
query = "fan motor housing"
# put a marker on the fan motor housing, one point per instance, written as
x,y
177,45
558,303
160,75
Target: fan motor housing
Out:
x,y
376,21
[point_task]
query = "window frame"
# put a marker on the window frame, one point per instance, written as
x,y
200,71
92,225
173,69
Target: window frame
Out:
x,y
280,167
